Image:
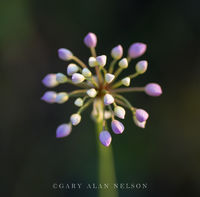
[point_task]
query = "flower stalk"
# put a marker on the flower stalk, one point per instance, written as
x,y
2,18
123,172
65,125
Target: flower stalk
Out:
x,y
106,168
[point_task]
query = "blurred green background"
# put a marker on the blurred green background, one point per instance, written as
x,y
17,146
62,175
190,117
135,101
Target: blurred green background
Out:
x,y
166,155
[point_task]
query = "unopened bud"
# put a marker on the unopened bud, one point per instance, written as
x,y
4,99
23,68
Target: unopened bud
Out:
x,y
62,97
141,115
117,127
139,124
126,81
108,99
86,72
50,80
119,112
92,92
63,130
117,52
61,78
137,49
65,54
75,119
90,40
101,60
123,63
49,97
78,102
92,62
71,69
105,138
77,78
109,77
153,89
141,66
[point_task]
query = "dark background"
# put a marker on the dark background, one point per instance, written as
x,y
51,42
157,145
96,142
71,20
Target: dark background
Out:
x,y
166,155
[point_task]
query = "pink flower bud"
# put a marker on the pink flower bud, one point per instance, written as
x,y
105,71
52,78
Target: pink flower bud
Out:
x,y
49,97
90,40
153,89
123,63
117,127
137,49
101,60
63,130
65,54
141,115
77,78
50,80
109,77
71,69
139,124
119,112
61,97
108,99
141,66
117,52
105,138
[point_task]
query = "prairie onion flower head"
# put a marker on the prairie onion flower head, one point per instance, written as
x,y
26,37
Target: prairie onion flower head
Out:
x,y
100,85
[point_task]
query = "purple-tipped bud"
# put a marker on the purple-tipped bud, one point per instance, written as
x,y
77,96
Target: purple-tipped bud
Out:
x,y
101,60
123,63
119,112
108,99
109,77
141,66
61,78
126,81
75,119
153,89
141,115
86,72
61,97
117,52
139,124
77,78
71,69
50,80
65,54
105,138
90,40
63,130
117,127
137,49
49,97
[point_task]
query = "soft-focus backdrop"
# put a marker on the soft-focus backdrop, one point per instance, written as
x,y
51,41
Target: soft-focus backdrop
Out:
x,y
166,155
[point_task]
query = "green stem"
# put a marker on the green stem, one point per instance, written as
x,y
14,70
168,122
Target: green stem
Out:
x,y
128,58
134,75
81,63
77,92
106,164
119,83
111,68
123,90
93,52
84,106
125,101
81,85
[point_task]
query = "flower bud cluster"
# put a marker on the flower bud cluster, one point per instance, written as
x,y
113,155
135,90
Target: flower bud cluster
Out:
x,y
99,84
